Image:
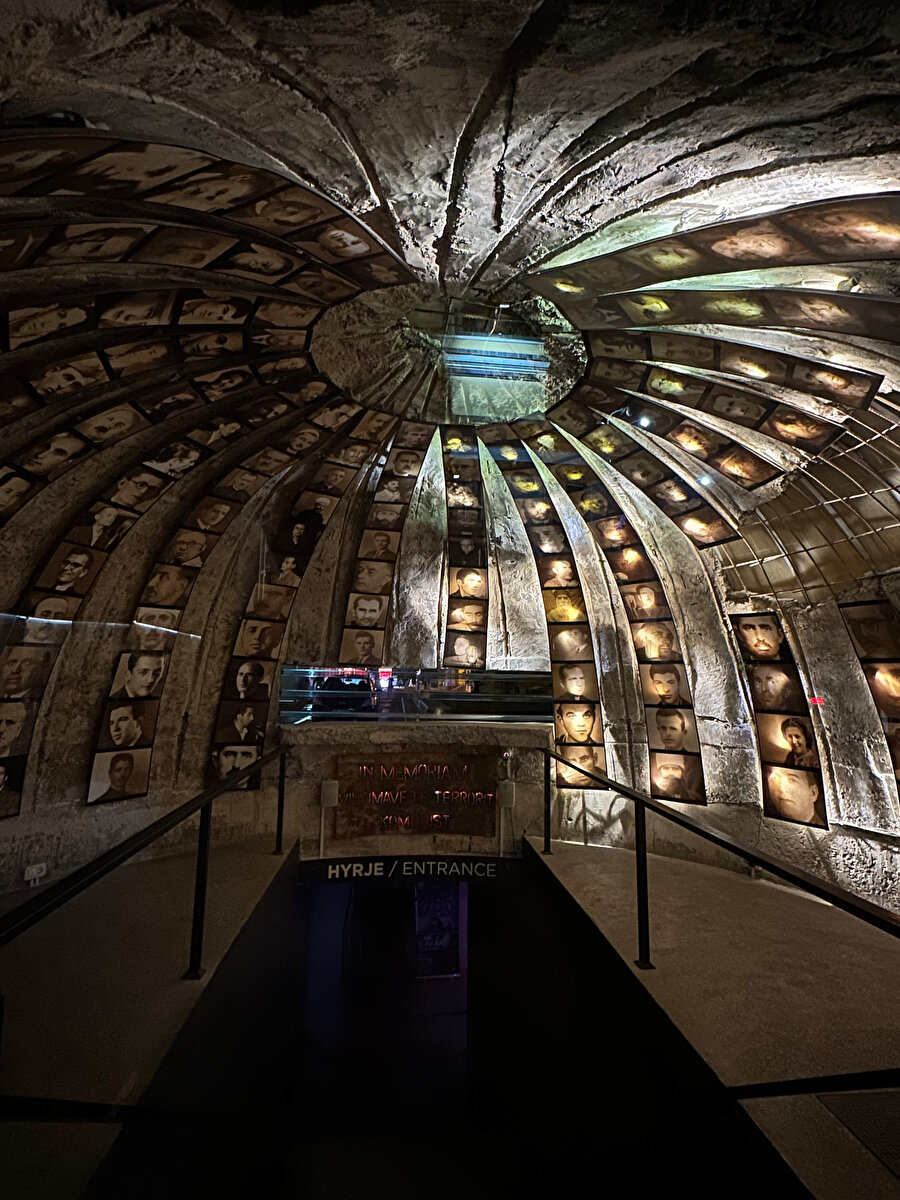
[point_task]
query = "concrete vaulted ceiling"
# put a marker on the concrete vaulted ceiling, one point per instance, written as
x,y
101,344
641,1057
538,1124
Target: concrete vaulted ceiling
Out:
x,y
218,214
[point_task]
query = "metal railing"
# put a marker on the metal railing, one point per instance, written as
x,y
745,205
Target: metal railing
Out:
x,y
49,899
881,918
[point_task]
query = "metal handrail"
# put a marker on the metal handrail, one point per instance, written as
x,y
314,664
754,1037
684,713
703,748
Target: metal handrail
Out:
x,y
51,898
872,914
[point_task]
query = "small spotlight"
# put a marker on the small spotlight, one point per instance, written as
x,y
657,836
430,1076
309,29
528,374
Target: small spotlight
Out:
x,y
644,422
704,481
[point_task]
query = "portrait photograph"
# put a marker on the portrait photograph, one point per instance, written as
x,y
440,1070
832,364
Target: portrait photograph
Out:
x,y
641,468
841,386
139,675
854,229
760,637
139,488
798,428
884,681
373,576
776,687
656,641
335,416
387,516
119,775
463,495
696,440
168,586
791,794
154,628
138,308
139,168
572,476
380,272
322,285
16,724
405,462
12,777
577,721
666,258
676,777
680,348
705,527
414,435
571,643
618,371
874,629
24,671
665,683
548,539
332,479
316,502
672,730
575,681
158,408
268,461
270,602
787,739
564,605
33,324
379,544
468,583
468,616
23,158
241,722
611,532
580,757
71,569
759,241
189,548
239,485
256,261
248,679
102,526
258,639
375,426
365,611
464,650
127,723
131,357
212,344
340,242
228,760
351,454
606,344
557,571
744,467
362,647
535,512
183,247
285,211
394,490
15,490
219,384
49,459
112,425
670,385
465,522
212,515
630,565
50,619
524,482
644,601
282,569
753,362
60,378
738,407
674,497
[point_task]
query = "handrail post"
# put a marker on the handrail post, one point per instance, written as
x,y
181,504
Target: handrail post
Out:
x,y
279,817
546,849
643,893
195,970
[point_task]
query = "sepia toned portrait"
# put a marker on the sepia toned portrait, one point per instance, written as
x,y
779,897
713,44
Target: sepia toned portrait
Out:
x,y
665,683
580,757
468,616
14,491
787,740
33,324
229,760
154,628
874,629
564,605
71,569
676,777
188,548
241,722
571,643
168,586
16,724
575,681
239,485
270,602
50,459
674,497
24,671
630,565
744,467
139,675
375,426
577,721
379,544
468,582
119,775
50,619
797,428
362,647
760,637
557,571
705,527
645,601
776,687
366,611
794,795
127,723
258,639
373,576
464,650
248,679
641,468
672,729
138,489
212,515
656,641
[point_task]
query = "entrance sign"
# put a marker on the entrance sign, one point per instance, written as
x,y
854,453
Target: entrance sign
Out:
x,y
409,793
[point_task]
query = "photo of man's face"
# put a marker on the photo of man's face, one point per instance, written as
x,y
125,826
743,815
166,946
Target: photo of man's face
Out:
x,y
138,490
760,635
154,628
671,729
471,617
575,722
24,671
655,641
676,777
15,728
580,758
229,760
575,681
168,585
874,629
366,612
793,795
139,676
570,642
373,577
258,639
664,683
379,545
776,688
362,646
468,582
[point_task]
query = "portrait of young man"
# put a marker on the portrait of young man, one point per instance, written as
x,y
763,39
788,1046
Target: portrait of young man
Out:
x,y
576,722
759,636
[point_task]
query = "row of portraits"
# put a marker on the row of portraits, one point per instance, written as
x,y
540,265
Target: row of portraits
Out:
x,y
847,386
577,710
366,614
140,673
180,178
52,601
849,229
792,778
682,503
465,632
750,308
874,628
752,410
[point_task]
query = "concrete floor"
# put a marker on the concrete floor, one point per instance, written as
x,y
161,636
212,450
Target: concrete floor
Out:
x,y
766,983
94,998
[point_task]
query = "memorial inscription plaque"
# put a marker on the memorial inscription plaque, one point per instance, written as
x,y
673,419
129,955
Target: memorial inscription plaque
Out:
x,y
415,793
